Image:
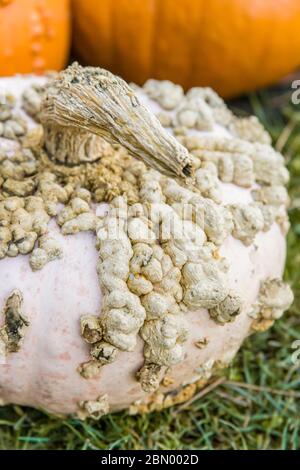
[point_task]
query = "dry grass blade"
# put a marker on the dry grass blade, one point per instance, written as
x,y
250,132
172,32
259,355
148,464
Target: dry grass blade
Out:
x,y
284,136
201,394
258,388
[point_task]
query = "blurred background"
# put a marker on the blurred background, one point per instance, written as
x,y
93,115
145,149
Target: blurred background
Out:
x,y
249,52
233,46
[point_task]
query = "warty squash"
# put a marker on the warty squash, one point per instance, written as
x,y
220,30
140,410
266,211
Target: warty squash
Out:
x,y
142,239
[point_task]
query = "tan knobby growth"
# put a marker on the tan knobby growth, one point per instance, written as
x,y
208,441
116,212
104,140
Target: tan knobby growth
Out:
x,y
48,249
12,124
275,296
15,324
94,409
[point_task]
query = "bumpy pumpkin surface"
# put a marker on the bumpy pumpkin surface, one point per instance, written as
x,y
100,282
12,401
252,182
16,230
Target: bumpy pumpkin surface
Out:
x,y
35,35
123,286
232,46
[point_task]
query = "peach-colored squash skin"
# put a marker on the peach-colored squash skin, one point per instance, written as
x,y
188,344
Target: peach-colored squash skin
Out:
x,y
44,372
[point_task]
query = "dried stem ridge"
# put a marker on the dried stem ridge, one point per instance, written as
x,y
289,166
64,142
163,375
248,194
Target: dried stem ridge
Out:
x,y
96,101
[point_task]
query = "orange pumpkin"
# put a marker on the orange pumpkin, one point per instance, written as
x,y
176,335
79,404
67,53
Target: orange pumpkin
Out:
x,y
35,35
232,45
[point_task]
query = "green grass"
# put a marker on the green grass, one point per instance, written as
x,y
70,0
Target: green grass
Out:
x,y
231,416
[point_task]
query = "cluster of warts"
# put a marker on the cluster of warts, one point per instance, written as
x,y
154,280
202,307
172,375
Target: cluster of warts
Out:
x,y
149,278
275,296
161,399
12,125
94,409
200,109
